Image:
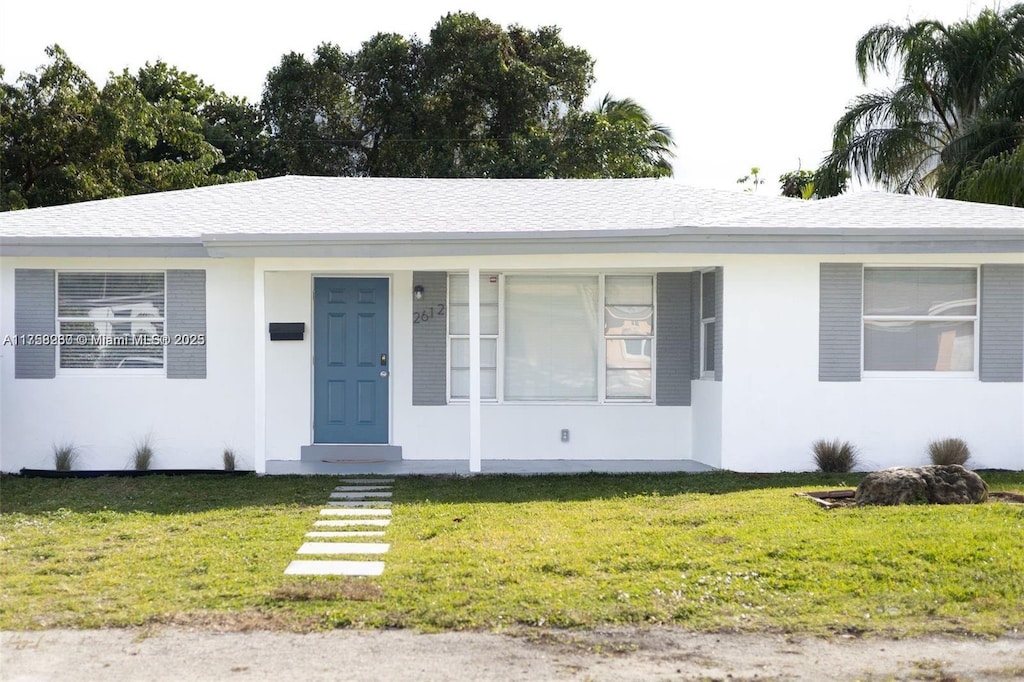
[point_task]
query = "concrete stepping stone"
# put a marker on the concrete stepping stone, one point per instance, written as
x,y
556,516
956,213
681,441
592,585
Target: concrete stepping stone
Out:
x,y
355,512
349,523
344,548
358,488
345,534
360,481
359,496
358,503
348,568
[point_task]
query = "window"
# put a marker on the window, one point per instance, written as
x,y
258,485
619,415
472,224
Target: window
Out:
x,y
543,337
111,320
458,336
629,336
920,319
708,328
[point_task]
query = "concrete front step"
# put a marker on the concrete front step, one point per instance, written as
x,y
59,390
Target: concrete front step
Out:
x,y
367,481
344,548
359,496
358,503
349,568
355,512
349,523
345,534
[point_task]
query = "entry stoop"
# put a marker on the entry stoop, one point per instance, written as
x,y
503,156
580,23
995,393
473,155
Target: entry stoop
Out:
x,y
341,453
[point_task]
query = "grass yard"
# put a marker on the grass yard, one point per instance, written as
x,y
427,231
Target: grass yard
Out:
x,y
703,551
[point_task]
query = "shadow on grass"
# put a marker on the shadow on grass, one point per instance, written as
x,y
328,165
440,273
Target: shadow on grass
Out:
x,y
189,494
160,494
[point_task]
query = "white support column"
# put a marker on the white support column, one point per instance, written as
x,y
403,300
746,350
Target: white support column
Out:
x,y
474,370
260,370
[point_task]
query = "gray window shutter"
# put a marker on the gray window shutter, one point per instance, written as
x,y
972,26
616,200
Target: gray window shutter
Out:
x,y
1001,316
695,325
719,323
839,321
430,341
35,312
186,315
673,338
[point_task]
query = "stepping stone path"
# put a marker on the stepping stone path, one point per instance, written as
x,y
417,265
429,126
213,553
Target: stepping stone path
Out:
x,y
356,513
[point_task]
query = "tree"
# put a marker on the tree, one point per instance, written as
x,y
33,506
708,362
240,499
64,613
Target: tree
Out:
x,y
952,107
752,180
53,140
65,140
616,139
475,100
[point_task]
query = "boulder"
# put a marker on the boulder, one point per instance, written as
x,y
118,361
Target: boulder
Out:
x,y
949,484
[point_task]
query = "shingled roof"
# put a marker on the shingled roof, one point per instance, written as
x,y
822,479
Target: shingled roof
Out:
x,y
299,209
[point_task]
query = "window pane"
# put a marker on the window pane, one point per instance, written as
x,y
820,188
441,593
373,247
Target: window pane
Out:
x,y
628,290
110,294
458,318
552,331
709,346
707,294
628,383
628,353
920,291
636,320
488,384
112,345
458,289
488,353
919,346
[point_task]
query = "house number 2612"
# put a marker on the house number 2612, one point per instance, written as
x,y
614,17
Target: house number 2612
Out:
x,y
428,313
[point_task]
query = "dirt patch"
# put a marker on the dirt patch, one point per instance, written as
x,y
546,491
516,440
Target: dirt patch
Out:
x,y
630,653
829,499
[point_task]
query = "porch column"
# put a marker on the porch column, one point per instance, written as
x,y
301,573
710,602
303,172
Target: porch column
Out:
x,y
474,370
259,297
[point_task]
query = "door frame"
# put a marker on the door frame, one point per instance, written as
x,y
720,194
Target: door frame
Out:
x,y
312,346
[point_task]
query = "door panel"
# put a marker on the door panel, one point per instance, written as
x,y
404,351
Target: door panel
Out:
x,y
350,397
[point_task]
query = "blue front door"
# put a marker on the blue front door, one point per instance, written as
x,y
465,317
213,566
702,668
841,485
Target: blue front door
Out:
x,y
350,360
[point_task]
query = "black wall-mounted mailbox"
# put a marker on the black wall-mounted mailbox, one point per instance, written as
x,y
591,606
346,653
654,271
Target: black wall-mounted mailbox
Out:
x,y
287,331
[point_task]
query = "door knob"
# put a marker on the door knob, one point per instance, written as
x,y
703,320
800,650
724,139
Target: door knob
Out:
x,y
383,372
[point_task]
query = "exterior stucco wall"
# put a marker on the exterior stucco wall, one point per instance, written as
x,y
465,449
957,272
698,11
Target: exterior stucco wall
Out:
x,y
189,421
510,431
774,406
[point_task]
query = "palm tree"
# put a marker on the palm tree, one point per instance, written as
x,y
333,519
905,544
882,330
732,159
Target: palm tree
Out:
x,y
955,104
627,112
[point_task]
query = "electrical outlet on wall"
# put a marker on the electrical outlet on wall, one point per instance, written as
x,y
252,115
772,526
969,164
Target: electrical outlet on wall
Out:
x,y
565,435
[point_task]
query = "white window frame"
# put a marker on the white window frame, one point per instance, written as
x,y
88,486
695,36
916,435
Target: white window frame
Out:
x,y
449,336
705,320
107,371
923,374
602,364
602,379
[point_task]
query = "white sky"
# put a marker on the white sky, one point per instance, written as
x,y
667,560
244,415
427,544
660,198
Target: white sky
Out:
x,y
740,83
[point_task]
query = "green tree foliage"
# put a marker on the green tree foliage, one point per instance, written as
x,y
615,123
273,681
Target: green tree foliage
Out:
x,y
958,101
476,100
66,140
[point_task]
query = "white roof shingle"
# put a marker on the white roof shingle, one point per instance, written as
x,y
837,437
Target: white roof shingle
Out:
x,y
296,205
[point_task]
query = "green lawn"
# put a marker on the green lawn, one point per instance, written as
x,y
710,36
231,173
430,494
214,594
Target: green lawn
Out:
x,y
704,551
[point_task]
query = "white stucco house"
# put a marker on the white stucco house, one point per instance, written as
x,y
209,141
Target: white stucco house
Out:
x,y
321,324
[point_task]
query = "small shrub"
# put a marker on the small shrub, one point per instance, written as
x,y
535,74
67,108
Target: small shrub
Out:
x,y
142,458
64,456
229,459
949,451
834,457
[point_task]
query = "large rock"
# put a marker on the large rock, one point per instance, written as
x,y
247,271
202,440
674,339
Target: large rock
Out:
x,y
950,484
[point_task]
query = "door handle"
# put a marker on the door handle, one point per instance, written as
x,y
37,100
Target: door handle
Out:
x,y
383,372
